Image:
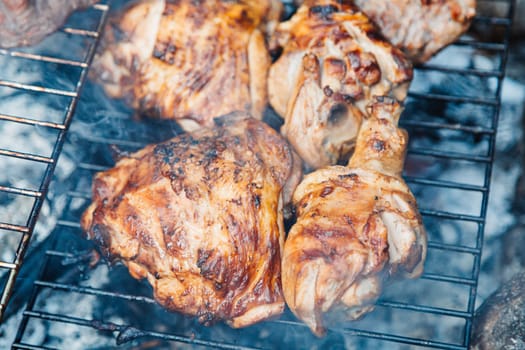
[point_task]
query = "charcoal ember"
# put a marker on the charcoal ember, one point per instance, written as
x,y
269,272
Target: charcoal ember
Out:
x,y
25,22
500,320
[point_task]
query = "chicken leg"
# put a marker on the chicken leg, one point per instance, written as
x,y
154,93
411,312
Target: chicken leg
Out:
x,y
356,227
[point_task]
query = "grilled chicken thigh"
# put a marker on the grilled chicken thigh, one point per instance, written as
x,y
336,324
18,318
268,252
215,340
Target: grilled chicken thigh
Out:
x,y
189,60
25,22
200,216
333,62
356,226
420,28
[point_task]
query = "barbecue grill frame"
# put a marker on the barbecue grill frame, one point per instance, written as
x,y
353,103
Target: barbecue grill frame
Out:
x,y
51,161
472,282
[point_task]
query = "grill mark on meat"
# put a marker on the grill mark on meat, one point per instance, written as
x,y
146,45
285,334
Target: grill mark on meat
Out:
x,y
322,234
236,201
314,254
259,288
349,220
203,256
431,2
352,176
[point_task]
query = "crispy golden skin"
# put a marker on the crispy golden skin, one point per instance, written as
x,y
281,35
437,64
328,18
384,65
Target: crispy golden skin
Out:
x,y
333,63
200,216
189,60
356,226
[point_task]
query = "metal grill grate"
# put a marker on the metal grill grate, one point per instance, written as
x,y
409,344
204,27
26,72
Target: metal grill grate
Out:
x,y
65,104
449,131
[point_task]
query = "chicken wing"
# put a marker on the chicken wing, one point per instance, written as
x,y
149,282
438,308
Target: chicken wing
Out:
x,y
356,227
333,62
189,60
200,216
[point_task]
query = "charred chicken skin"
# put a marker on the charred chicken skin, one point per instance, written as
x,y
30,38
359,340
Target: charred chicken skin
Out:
x,y
26,22
200,217
356,226
333,62
420,28
189,60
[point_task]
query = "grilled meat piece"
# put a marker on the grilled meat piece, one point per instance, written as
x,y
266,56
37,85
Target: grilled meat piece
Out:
x,y
189,60
200,216
420,28
333,63
356,226
25,22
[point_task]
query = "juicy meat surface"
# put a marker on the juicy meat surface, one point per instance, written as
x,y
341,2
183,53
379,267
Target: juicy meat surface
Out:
x,y
200,216
26,22
189,60
420,28
356,227
333,62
